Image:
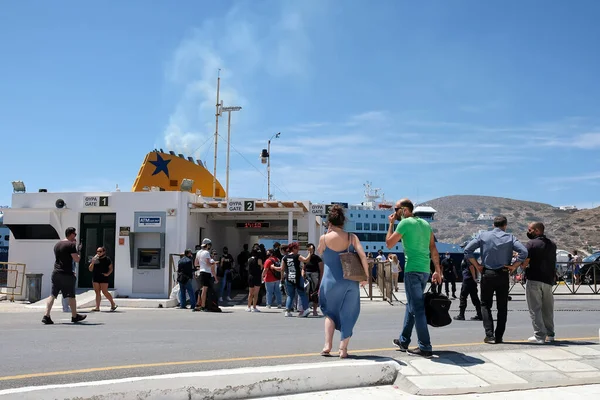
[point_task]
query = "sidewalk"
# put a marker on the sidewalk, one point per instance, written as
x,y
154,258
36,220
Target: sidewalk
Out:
x,y
486,374
391,392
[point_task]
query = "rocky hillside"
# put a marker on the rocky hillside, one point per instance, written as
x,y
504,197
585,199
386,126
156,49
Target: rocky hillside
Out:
x,y
459,217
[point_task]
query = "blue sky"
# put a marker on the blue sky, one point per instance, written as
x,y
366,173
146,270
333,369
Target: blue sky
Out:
x,y
424,99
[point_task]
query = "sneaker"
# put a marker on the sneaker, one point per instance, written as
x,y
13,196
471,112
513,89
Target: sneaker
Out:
x,y
550,339
78,318
304,313
476,318
419,352
287,314
489,340
535,340
255,310
280,306
269,306
47,320
228,298
459,318
402,347
248,309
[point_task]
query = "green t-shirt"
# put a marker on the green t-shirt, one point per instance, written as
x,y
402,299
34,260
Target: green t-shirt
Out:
x,y
416,235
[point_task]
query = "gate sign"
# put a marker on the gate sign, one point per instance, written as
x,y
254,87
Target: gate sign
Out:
x,y
249,205
95,201
318,209
235,206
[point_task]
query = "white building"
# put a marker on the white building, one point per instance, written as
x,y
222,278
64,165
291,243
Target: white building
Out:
x,y
141,230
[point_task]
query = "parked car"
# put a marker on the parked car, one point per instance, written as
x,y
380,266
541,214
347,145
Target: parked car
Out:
x,y
590,266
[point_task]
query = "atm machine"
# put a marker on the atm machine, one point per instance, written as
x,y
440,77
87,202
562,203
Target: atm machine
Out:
x,y
147,252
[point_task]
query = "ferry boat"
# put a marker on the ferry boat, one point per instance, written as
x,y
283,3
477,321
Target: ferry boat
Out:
x,y
369,221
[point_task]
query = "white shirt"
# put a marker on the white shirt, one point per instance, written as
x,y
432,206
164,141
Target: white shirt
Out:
x,y
204,261
380,258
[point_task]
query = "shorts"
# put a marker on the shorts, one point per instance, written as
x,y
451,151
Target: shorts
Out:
x,y
100,279
254,280
63,283
206,279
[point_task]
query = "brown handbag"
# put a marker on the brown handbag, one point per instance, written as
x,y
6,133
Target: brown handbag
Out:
x,y
351,265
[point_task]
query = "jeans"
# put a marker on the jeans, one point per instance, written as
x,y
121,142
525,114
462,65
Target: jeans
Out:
x,y
292,291
273,289
225,284
541,308
190,291
414,285
494,281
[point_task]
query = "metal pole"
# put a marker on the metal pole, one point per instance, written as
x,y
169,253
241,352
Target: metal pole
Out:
x,y
214,194
290,226
228,141
269,170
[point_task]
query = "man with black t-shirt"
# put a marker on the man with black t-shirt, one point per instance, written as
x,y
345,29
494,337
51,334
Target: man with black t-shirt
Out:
x,y
540,268
224,272
63,277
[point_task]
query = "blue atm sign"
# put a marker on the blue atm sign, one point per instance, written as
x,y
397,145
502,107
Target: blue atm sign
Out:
x,y
149,221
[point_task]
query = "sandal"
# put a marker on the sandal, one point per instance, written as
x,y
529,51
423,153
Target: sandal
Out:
x,y
95,309
343,353
114,308
326,353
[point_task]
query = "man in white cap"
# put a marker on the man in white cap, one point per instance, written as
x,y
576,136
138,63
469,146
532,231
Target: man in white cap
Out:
x,y
206,272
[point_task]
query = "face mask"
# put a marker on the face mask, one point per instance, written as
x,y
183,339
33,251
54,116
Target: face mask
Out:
x,y
531,235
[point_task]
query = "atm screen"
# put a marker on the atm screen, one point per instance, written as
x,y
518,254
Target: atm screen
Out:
x,y
148,258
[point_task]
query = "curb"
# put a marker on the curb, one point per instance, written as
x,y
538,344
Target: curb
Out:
x,y
242,383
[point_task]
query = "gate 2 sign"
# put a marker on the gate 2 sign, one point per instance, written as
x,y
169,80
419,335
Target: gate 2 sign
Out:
x,y
95,201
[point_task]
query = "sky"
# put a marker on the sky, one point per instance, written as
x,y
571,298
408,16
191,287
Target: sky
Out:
x,y
423,99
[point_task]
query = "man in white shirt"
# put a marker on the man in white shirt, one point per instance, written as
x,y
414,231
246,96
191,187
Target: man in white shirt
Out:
x,y
206,272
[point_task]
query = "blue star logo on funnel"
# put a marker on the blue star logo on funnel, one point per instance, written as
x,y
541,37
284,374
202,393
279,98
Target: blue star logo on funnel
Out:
x,y
161,165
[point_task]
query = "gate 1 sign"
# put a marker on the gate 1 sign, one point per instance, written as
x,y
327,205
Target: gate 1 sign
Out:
x,y
95,201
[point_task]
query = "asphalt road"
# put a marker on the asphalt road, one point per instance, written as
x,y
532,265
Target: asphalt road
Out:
x,y
149,342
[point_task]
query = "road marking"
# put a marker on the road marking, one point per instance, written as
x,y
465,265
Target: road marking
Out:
x,y
226,360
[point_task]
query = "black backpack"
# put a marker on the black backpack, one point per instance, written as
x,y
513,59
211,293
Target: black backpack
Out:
x,y
437,309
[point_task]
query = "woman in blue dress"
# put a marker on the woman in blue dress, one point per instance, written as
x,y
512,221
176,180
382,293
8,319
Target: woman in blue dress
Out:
x,y
339,298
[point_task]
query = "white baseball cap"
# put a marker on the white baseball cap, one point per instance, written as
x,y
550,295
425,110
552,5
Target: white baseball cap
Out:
x,y
206,241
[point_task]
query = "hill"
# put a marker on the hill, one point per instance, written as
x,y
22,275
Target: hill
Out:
x,y
459,217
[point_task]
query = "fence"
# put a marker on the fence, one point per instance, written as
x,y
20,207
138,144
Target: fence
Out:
x,y
12,279
568,274
383,280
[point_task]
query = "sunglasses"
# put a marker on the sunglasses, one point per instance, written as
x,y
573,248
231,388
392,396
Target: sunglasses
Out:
x,y
399,208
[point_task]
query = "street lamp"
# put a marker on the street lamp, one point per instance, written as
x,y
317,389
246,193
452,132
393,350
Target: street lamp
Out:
x,y
265,158
228,110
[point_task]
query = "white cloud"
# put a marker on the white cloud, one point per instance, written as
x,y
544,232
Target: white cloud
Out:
x,y
587,141
594,176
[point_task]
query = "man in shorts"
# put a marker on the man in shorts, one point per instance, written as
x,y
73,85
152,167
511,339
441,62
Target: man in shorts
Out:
x,y
63,277
206,273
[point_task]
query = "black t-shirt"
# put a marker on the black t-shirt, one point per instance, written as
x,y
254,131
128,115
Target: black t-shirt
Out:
x,y
313,263
291,268
242,258
186,267
448,266
466,271
62,253
227,261
254,266
101,266
542,260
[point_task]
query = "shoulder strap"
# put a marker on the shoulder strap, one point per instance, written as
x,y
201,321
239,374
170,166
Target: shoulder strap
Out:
x,y
349,241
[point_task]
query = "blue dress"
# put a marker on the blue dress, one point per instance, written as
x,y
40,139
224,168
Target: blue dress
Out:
x,y
339,298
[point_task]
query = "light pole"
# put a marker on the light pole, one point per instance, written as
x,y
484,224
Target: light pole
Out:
x,y
266,158
228,110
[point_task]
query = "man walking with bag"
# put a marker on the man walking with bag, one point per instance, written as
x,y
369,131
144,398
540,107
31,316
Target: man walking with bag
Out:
x,y
419,248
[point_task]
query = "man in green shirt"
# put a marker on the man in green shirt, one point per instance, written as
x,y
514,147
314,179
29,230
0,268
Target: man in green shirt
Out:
x,y
419,249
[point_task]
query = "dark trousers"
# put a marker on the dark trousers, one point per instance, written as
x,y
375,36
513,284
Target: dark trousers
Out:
x,y
450,278
469,288
494,281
